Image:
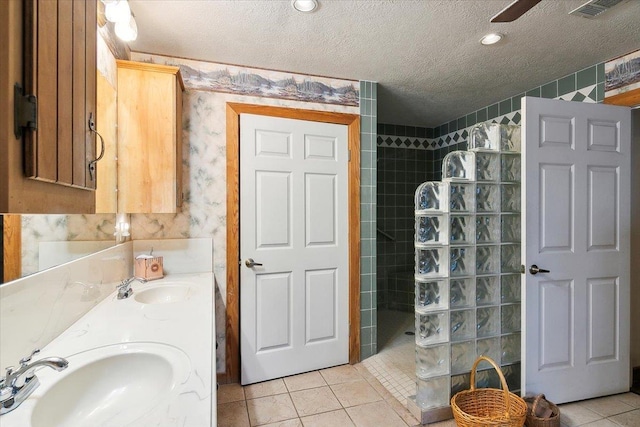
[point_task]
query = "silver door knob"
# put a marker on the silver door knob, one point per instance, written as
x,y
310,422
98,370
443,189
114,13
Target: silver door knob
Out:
x,y
251,263
535,270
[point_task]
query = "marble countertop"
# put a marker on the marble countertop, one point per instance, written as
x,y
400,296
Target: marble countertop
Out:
x,y
186,324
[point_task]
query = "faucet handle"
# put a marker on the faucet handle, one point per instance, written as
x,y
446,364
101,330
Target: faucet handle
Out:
x,y
27,359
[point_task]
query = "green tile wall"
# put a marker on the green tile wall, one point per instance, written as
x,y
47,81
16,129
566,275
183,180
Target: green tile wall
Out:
x,y
368,186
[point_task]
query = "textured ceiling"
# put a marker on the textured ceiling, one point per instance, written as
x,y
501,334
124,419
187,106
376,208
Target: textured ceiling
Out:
x,y
425,55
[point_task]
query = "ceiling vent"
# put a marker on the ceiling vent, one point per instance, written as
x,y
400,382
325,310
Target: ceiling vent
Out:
x,y
593,8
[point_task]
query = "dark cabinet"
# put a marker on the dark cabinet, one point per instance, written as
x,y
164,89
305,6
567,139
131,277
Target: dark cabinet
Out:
x,y
49,48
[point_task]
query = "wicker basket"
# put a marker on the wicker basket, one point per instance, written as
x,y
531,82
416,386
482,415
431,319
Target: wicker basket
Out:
x,y
488,406
534,421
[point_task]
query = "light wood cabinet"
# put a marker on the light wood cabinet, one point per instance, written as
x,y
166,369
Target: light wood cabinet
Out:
x,y
49,49
149,138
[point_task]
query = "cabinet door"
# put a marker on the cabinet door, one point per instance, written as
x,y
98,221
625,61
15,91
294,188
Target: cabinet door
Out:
x,y
149,132
19,194
60,69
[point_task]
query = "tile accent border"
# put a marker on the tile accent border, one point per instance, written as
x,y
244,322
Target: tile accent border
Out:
x,y
217,77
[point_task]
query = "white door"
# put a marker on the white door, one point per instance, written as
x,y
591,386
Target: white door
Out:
x,y
576,187
294,307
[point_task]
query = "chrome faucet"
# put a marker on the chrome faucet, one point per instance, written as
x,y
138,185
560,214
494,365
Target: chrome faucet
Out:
x,y
18,384
124,288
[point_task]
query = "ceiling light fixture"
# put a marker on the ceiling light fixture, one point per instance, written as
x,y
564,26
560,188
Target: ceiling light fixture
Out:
x,y
306,6
117,11
491,38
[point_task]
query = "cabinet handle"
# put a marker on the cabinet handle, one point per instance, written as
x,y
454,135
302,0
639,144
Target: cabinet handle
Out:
x,y
92,163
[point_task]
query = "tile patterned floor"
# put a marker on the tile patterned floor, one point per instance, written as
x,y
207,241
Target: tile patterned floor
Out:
x,y
347,395
373,393
395,364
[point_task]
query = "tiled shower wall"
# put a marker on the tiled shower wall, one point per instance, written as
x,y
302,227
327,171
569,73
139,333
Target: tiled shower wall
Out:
x,y
406,152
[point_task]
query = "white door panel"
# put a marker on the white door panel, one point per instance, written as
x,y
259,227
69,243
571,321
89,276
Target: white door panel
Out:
x,y
293,221
576,192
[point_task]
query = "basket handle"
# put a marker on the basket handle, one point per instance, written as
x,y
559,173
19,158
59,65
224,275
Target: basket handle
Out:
x,y
536,401
505,387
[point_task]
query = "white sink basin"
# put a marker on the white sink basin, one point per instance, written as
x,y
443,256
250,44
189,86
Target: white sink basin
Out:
x,y
109,386
163,293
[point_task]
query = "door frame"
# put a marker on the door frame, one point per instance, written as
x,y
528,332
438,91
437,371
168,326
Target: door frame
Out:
x,y
352,121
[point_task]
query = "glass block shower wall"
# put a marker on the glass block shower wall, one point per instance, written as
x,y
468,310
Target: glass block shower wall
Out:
x,y
467,267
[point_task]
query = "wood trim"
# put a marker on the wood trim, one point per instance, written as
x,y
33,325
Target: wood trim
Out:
x,y
11,247
629,99
352,121
156,68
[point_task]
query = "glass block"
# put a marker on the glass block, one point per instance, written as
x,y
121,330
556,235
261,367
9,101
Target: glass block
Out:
x,y
510,167
488,259
487,198
510,258
462,261
432,361
462,292
487,229
459,166
432,262
461,229
489,347
487,167
510,284
511,348
487,322
488,378
431,197
510,197
510,228
433,393
432,295
485,137
510,318
488,290
460,383
512,376
432,328
462,356
463,324
431,229
510,138
461,197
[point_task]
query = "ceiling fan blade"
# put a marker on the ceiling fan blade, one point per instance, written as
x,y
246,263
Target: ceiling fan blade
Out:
x,y
514,11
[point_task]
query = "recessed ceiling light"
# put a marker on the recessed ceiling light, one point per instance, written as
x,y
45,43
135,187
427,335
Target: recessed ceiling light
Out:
x,y
306,6
492,38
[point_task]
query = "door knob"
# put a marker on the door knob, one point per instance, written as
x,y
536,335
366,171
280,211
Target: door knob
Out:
x,y
535,270
251,263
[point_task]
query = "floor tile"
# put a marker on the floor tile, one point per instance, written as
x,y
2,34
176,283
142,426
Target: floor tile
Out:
x,y
271,409
340,374
233,414
601,423
606,406
304,381
375,414
314,401
574,414
230,393
630,399
267,388
328,419
355,393
289,423
628,419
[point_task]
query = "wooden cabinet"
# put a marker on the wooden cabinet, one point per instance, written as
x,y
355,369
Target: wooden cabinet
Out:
x,y
149,138
49,49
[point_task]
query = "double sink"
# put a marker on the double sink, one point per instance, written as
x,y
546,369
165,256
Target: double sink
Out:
x,y
139,361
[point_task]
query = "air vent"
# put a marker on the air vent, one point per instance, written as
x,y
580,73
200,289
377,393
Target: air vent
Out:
x,y
594,8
